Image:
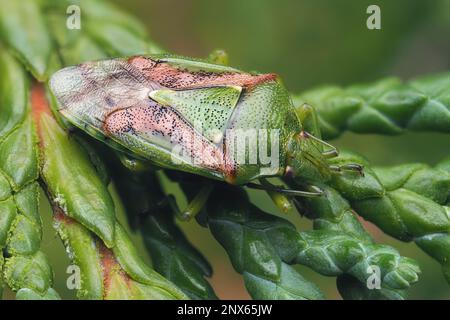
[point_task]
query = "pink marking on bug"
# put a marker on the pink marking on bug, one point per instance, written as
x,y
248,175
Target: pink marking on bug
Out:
x,y
168,124
174,78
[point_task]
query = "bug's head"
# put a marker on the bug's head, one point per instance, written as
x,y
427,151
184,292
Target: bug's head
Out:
x,y
308,159
305,158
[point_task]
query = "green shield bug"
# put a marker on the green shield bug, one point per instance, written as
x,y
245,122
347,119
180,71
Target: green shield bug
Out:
x,y
192,115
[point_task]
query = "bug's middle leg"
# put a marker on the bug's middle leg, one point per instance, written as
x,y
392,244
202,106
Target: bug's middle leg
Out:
x,y
197,203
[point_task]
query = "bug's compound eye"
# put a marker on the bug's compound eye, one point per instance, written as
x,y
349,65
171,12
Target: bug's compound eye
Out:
x,y
289,172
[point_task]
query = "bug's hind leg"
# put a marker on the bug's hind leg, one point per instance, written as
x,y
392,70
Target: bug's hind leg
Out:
x,y
283,197
315,191
280,200
309,119
196,204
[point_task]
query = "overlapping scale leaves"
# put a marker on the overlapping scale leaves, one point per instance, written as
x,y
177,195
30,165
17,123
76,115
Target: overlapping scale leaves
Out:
x,y
149,212
263,247
387,106
408,202
25,269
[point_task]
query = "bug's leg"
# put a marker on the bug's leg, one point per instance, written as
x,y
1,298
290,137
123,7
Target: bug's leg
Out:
x,y
280,200
310,121
332,152
196,204
313,149
353,167
134,164
219,56
316,191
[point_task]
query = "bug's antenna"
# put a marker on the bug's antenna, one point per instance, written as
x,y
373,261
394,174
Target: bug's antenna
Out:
x,y
331,153
354,167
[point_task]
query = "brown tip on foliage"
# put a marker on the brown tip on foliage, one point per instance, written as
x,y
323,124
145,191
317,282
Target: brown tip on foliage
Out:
x,y
110,266
39,105
60,216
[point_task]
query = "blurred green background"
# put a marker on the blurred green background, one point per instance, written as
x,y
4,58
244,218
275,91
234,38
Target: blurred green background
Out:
x,y
307,42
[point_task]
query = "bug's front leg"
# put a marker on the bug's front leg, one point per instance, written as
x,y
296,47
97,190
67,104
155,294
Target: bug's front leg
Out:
x,y
310,121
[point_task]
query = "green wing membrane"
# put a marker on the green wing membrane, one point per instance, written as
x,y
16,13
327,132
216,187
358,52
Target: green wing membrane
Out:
x,y
207,109
193,65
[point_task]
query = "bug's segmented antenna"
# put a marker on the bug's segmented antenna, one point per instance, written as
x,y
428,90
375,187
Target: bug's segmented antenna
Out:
x,y
308,117
353,167
331,153
308,160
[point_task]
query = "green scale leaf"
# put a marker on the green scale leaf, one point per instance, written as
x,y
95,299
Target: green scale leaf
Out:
x,y
148,211
409,205
73,183
25,269
13,93
18,158
23,28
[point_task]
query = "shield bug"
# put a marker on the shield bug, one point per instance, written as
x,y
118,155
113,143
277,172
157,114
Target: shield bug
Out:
x,y
192,115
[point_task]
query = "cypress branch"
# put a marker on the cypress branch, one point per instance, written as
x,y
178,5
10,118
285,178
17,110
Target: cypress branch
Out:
x,y
387,106
406,201
25,269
